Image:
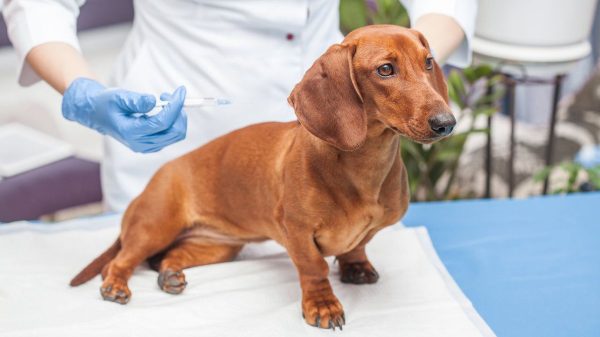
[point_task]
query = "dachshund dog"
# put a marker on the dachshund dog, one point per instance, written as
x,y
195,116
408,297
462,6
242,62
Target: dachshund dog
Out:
x,y
320,186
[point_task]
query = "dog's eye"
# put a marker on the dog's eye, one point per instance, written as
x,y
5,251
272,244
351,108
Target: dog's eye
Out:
x,y
385,70
429,63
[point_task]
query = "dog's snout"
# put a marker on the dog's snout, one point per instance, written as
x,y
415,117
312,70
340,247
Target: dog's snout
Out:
x,y
442,124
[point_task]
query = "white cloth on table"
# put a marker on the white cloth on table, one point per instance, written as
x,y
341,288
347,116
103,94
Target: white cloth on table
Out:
x,y
256,295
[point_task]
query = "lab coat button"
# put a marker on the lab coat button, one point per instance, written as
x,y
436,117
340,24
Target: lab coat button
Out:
x,y
289,36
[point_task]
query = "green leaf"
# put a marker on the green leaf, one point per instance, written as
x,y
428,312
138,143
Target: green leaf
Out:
x,y
454,97
353,14
485,111
483,70
413,150
483,130
571,167
474,73
470,74
595,170
449,155
449,150
542,174
495,80
573,170
595,181
456,88
436,171
493,98
391,12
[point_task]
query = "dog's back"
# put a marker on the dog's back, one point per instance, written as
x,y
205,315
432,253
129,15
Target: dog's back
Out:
x,y
235,178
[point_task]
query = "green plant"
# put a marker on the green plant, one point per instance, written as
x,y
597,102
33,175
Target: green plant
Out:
x,y
432,168
574,174
358,13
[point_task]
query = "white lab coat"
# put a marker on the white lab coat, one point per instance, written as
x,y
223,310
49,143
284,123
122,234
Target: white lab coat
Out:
x,y
251,51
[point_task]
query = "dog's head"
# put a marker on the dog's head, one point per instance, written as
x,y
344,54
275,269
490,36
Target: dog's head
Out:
x,y
383,72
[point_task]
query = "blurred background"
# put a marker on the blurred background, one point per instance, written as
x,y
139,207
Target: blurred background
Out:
x,y
528,109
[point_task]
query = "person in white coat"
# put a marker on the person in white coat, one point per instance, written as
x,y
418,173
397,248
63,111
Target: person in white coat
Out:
x,y
251,51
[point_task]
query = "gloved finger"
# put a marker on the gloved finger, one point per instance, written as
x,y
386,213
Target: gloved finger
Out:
x,y
147,128
146,148
169,136
138,144
134,102
157,147
160,141
153,149
169,114
165,96
166,136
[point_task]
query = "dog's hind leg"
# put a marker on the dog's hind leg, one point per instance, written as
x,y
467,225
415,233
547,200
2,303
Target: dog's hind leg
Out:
x,y
355,267
190,253
141,238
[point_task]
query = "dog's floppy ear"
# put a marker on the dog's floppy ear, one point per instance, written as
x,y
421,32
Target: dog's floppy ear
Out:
x,y
439,82
327,101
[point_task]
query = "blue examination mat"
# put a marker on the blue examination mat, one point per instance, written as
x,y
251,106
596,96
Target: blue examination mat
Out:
x,y
531,267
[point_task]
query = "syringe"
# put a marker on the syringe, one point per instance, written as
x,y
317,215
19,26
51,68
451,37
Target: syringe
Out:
x,y
196,102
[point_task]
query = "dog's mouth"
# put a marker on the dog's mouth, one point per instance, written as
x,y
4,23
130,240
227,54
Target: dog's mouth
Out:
x,y
396,130
428,140
422,140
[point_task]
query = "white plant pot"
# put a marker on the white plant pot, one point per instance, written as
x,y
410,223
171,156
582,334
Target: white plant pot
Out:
x,y
535,23
546,36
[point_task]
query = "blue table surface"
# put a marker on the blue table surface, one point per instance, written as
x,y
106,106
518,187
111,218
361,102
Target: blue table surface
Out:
x,y
530,267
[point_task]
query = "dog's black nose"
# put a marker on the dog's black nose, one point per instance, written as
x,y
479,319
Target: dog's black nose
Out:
x,y
442,123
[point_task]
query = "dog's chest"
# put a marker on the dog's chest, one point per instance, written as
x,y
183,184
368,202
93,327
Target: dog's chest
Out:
x,y
344,230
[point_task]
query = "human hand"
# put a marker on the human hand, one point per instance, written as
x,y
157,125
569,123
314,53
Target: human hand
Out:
x,y
122,114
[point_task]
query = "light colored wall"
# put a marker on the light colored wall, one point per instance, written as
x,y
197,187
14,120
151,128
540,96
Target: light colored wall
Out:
x,y
38,106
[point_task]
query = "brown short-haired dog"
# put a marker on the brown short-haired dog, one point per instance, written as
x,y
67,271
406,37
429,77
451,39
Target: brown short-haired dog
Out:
x,y
320,187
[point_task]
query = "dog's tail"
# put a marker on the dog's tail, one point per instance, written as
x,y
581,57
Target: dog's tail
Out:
x,y
96,266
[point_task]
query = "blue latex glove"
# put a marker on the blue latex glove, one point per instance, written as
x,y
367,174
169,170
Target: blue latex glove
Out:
x,y
121,114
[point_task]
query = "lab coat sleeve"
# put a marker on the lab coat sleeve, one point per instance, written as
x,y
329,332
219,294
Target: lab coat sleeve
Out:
x,y
34,22
463,11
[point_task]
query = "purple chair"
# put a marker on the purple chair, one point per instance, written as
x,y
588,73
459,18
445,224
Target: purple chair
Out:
x,y
66,183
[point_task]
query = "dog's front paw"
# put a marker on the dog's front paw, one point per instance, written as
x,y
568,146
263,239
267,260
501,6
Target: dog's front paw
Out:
x,y
358,273
323,310
115,290
171,281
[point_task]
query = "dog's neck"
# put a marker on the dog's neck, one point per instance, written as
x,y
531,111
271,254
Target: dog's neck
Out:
x,y
367,167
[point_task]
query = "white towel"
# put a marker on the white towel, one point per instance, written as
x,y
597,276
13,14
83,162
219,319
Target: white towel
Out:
x,y
256,295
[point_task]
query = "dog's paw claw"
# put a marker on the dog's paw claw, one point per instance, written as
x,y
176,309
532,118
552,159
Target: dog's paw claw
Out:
x,y
323,311
172,282
341,322
115,292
